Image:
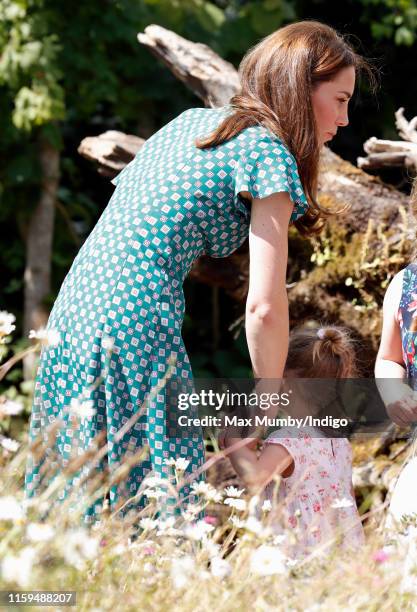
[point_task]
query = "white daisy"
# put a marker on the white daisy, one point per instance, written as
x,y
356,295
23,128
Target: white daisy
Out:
x,y
179,464
233,491
342,503
6,324
268,560
9,444
84,409
10,407
48,337
238,504
220,568
39,532
10,509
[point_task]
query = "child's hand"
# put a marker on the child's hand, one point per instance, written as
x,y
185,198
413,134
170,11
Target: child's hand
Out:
x,y
226,441
403,411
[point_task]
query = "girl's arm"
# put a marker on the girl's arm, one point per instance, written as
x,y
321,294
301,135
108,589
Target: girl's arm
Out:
x,y
256,472
389,365
390,361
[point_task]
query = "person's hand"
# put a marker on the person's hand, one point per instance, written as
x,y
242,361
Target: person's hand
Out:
x,y
403,411
226,441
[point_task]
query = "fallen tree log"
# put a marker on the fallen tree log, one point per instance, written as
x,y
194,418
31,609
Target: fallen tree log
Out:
x,y
393,153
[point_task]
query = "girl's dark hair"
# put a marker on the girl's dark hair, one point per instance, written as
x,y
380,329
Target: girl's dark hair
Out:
x,y
325,353
277,77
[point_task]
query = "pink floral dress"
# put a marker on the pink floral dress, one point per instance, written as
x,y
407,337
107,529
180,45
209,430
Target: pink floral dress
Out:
x,y
315,504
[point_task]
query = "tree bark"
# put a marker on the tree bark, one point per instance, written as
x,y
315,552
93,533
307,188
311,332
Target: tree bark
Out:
x,y
37,275
209,76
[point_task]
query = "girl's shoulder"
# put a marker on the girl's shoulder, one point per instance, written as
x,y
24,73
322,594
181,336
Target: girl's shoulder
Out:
x,y
299,437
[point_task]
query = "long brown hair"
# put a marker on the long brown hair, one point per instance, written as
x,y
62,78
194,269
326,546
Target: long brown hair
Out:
x,y
277,77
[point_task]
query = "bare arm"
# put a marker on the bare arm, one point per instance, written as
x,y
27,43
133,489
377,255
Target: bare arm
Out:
x,y
267,302
389,365
389,361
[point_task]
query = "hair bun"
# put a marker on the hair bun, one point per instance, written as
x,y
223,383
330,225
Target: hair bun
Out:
x,y
333,336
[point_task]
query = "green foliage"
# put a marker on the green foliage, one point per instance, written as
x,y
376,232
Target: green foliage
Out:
x,y
393,19
29,63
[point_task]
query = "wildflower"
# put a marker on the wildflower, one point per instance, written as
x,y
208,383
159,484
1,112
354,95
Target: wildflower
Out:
x,y
342,503
233,491
212,548
10,408
380,556
18,568
279,539
9,444
38,532
238,504
148,568
167,527
182,570
154,493
252,524
220,568
10,509
207,490
48,337
198,531
191,512
107,343
266,506
148,524
79,547
84,409
268,560
6,325
154,481
179,464
237,522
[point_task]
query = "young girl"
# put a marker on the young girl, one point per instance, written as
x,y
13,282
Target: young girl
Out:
x,y
315,498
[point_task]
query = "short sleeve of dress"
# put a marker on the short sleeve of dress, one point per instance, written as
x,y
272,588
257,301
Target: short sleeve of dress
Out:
x,y
268,167
124,171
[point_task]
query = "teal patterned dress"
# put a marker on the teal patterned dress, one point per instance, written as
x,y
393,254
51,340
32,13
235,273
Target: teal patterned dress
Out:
x,y
120,309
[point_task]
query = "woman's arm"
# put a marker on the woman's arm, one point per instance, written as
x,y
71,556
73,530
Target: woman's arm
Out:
x,y
389,365
266,319
267,302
